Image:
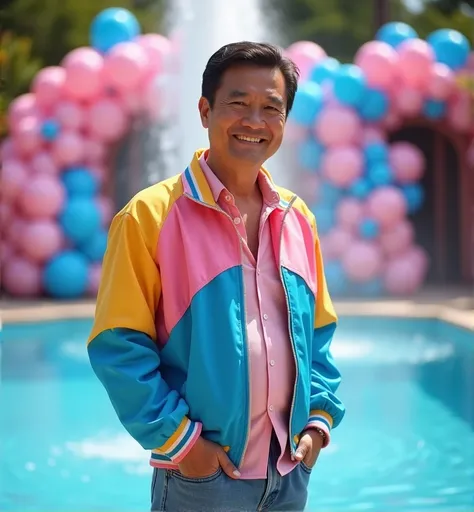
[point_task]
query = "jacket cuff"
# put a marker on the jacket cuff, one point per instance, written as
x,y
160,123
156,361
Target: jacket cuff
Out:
x,y
322,420
181,442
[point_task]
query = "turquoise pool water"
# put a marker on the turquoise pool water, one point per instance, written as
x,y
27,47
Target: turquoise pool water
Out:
x,y
406,445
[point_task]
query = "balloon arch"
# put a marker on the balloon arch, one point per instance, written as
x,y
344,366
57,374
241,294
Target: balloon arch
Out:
x,y
54,206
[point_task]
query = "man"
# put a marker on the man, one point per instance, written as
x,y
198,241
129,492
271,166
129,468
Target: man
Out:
x,y
213,324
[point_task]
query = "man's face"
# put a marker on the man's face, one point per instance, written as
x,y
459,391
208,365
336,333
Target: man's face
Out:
x,y
247,119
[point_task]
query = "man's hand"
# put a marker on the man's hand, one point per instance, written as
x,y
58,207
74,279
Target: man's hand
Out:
x,y
204,459
309,447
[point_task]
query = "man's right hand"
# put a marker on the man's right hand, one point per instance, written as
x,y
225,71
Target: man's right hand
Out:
x,y
204,459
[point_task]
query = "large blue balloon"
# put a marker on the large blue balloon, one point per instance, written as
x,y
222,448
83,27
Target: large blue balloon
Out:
x,y
66,275
374,105
80,219
324,70
336,277
325,218
395,33
375,152
361,188
310,154
434,109
414,196
80,182
308,103
451,47
112,26
349,85
95,246
380,174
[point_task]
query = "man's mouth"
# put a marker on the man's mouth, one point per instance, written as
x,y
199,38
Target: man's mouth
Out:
x,y
251,140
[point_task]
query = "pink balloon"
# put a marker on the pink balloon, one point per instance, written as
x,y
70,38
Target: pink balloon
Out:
x,y
107,121
132,102
305,54
43,163
68,148
13,177
42,197
392,120
21,107
373,134
158,50
342,165
48,85
22,277
337,125
155,99
403,275
350,213
28,135
379,62
8,150
362,261
7,252
125,65
459,113
442,82
41,239
397,239
84,68
387,205
407,161
13,230
416,58
408,101
106,208
95,274
6,213
295,133
337,242
70,115
100,172
95,150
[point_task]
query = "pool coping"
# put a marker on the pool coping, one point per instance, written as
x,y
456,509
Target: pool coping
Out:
x,y
410,308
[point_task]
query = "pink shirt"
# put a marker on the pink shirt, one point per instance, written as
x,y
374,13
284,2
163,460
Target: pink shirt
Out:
x,y
272,366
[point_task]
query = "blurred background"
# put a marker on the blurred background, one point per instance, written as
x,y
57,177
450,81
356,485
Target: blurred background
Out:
x,y
98,100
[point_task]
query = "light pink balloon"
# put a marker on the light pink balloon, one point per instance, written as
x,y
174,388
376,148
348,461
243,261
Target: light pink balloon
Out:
x,y
379,62
70,115
403,275
106,209
407,161
41,239
416,58
305,54
459,113
43,163
397,239
7,252
373,134
442,82
68,148
363,261
48,85
107,120
93,281
158,100
125,65
13,177
342,165
132,102
408,101
337,125
158,51
21,277
9,150
350,213
28,137
6,213
42,197
392,120
21,107
13,230
337,242
95,150
387,205
84,68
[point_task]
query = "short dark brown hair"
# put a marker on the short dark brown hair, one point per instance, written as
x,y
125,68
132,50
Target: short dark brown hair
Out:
x,y
255,54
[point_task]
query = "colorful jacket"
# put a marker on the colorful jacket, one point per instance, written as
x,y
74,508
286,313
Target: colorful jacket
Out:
x,y
169,337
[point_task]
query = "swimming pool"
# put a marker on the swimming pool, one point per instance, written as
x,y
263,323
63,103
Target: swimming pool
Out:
x,y
406,444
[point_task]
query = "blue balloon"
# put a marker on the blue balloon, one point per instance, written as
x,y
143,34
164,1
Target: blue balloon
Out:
x,y
80,219
374,105
349,85
80,182
369,228
328,195
375,152
360,188
325,218
310,154
112,26
434,109
95,246
414,196
395,33
372,288
380,174
451,47
335,277
308,103
50,129
324,70
66,275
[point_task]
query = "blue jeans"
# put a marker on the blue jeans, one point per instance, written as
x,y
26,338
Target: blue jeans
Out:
x,y
172,492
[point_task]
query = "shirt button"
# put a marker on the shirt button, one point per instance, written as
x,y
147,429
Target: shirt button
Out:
x,y
237,220
272,363
227,198
270,408
265,316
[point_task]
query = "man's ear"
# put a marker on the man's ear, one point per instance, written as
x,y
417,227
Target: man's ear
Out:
x,y
204,111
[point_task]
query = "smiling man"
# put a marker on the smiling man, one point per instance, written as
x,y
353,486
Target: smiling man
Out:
x,y
213,323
